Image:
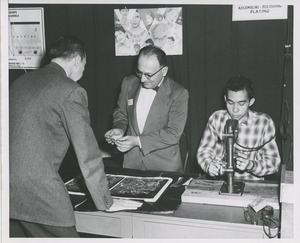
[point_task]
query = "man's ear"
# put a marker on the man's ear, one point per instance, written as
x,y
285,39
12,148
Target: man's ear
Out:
x,y
73,62
165,71
251,102
225,98
77,60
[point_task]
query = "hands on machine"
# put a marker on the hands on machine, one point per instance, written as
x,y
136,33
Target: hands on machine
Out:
x,y
230,135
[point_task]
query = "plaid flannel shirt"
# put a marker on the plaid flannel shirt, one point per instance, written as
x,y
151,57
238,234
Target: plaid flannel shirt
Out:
x,y
255,129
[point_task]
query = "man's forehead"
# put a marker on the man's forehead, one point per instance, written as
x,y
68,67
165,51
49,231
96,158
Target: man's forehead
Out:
x,y
148,60
148,57
240,95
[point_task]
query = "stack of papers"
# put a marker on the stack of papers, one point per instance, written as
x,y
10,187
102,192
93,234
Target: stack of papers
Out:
x,y
124,204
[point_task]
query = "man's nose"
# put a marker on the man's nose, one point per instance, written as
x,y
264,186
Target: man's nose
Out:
x,y
143,78
235,108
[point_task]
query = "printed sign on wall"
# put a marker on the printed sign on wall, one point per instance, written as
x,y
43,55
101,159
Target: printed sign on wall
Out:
x,y
136,28
258,12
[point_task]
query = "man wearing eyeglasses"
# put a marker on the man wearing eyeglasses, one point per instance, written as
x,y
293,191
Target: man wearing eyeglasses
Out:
x,y
150,116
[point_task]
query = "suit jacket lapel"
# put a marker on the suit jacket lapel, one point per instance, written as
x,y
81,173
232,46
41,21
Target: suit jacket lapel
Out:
x,y
160,100
133,95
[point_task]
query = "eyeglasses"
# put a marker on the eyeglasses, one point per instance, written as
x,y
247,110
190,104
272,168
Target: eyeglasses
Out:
x,y
147,75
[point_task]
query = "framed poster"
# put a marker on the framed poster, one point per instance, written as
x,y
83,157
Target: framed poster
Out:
x,y
136,28
26,37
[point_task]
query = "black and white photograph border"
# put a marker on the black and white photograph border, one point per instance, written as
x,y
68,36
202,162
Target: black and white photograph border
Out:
x,y
4,114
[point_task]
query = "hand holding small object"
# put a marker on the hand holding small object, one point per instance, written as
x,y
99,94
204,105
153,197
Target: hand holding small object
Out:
x,y
215,167
113,135
126,143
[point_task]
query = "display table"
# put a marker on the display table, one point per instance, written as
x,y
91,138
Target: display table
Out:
x,y
187,220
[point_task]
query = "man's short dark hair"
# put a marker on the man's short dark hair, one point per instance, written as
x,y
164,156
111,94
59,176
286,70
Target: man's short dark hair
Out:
x,y
149,41
239,83
67,47
151,50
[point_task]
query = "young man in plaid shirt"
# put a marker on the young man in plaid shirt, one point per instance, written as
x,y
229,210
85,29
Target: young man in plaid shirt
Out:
x,y
255,150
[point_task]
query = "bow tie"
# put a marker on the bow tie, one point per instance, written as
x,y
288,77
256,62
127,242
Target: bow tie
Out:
x,y
156,88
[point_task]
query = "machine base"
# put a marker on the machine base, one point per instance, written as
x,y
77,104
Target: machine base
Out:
x,y
236,190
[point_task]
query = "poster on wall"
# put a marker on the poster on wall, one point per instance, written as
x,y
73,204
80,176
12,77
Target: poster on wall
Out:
x,y
26,37
136,28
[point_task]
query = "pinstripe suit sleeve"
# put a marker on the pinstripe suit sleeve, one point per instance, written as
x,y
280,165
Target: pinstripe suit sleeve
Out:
x,y
77,124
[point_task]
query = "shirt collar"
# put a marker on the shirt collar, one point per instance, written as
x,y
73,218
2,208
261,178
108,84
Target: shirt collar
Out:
x,y
247,119
155,88
161,82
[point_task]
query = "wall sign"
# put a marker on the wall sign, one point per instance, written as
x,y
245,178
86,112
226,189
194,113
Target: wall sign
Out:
x,y
26,37
258,12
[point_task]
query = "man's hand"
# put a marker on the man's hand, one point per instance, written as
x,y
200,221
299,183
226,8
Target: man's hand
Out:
x,y
112,135
124,204
242,161
213,169
216,167
126,143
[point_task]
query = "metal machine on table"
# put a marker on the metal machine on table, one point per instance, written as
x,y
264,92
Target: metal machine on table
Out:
x,y
230,192
230,187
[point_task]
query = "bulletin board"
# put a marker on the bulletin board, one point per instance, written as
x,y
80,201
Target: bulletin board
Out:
x,y
26,35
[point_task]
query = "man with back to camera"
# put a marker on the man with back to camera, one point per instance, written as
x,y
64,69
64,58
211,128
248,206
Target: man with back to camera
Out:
x,y
255,148
48,111
153,120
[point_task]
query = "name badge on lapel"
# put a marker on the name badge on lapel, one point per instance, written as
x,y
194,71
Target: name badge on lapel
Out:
x,y
130,102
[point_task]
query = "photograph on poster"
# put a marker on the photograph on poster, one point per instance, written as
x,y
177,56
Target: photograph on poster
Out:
x,y
136,28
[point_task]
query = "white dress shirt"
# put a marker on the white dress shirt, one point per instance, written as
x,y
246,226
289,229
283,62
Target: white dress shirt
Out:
x,y
143,106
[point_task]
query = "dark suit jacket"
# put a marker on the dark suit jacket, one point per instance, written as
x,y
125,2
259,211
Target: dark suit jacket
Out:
x,y
163,128
48,111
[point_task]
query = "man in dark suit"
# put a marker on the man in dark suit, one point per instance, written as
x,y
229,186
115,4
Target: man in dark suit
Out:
x,y
48,111
152,111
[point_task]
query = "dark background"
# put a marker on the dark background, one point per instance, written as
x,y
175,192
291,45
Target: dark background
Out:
x,y
215,48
